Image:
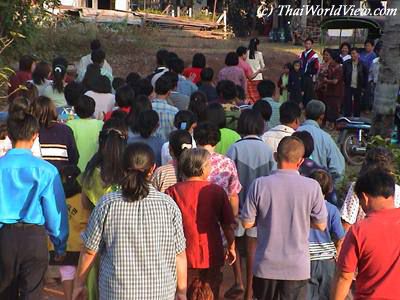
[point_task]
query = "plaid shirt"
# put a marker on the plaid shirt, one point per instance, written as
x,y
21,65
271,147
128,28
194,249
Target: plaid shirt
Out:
x,y
138,243
167,114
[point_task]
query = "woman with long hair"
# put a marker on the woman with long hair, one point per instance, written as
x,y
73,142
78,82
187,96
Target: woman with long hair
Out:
x,y
140,103
139,233
40,76
256,61
55,91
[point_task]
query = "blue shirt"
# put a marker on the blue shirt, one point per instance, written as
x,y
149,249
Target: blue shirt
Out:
x,y
321,244
185,86
275,117
326,152
367,58
31,192
166,114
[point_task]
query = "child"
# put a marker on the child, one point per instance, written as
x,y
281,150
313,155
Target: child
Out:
x,y
324,246
86,130
124,97
229,99
295,83
204,207
200,290
283,83
206,84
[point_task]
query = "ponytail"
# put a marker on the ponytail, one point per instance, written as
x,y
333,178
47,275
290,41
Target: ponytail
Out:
x,y
21,124
59,70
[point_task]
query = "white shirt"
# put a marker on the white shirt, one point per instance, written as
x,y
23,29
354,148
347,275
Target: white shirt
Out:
x,y
273,136
57,97
104,103
6,145
87,60
42,87
166,156
158,75
256,64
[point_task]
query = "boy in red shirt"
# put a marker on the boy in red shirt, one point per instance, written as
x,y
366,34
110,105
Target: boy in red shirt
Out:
x,y
204,206
372,245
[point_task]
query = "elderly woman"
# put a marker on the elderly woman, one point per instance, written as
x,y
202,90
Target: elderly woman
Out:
x,y
232,71
139,233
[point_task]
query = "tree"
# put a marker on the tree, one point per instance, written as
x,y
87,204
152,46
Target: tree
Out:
x,y
387,87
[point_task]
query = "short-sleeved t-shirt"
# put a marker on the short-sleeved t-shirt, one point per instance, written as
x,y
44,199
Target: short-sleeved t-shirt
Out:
x,y
228,138
155,143
165,177
203,206
282,205
193,74
373,247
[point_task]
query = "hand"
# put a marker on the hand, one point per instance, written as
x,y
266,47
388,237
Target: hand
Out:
x,y
230,255
180,296
79,293
59,257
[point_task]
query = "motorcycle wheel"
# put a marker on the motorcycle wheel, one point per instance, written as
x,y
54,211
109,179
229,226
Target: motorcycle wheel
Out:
x,y
349,143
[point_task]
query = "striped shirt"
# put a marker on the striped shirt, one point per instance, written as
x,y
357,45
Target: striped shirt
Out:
x,y
166,114
164,177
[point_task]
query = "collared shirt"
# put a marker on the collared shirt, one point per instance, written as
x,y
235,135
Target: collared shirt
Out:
x,y
31,192
282,205
326,152
166,114
86,60
274,120
354,75
185,86
273,136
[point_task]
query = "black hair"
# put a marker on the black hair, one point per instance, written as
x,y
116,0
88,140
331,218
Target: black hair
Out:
x,y
241,51
21,124
72,92
144,87
85,107
288,66
95,45
309,39
191,162
266,88
138,160
345,44
199,61
370,41
112,143
102,85
147,123
207,74
170,58
296,62
26,62
232,59
250,123
45,111
378,157
216,115
198,104
93,72
119,114
124,96
162,56
184,119
133,79
176,65
241,93
354,49
376,183
264,108
59,69
41,72
253,47
177,141
290,149
307,140
289,111
329,51
227,90
207,133
173,78
98,56
163,85
141,103
117,83
324,179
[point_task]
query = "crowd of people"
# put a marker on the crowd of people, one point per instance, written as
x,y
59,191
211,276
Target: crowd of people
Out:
x,y
148,185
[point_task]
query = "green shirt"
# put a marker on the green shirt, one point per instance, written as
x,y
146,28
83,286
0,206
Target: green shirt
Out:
x,y
86,134
228,138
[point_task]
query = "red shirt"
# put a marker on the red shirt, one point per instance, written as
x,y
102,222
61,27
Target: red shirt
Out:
x,y
203,206
373,246
193,74
108,115
19,78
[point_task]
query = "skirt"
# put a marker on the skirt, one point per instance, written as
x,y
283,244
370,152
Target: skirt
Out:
x,y
252,92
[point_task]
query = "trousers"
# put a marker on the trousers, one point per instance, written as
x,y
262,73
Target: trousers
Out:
x,y
272,289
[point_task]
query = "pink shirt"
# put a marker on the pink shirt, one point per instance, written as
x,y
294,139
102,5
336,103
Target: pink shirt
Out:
x,y
234,74
245,67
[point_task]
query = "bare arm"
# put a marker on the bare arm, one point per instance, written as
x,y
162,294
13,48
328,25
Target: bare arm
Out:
x,y
86,260
248,225
341,285
181,272
346,226
234,201
338,245
318,226
230,238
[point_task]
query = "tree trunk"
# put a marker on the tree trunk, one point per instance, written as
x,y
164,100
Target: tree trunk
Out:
x,y
387,87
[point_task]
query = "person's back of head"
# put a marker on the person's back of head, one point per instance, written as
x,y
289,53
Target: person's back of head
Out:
x,y
227,90
216,115
41,72
133,79
85,107
250,123
179,141
117,83
290,153
240,51
231,59
207,133
185,120
177,65
144,87
253,44
266,88
102,85
59,70
207,75
290,113
124,96
379,157
148,122
138,164
93,72
264,108
199,61
72,92
162,56
98,56
141,103
26,63
315,110
193,162
324,179
307,140
198,104
241,93
45,111
95,45
163,86
200,290
173,78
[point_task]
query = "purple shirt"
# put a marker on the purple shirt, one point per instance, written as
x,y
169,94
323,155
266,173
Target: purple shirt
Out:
x,y
233,73
282,206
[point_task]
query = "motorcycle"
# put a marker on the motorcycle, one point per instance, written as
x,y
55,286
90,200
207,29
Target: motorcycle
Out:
x,y
353,138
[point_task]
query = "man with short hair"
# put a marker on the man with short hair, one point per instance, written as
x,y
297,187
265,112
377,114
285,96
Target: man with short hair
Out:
x,y
372,246
326,152
161,58
309,68
290,114
166,112
267,90
177,99
87,60
185,86
283,205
